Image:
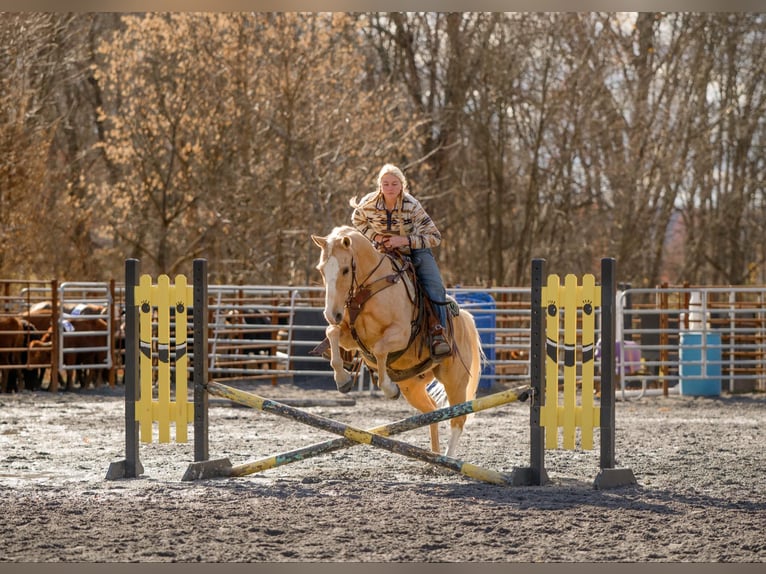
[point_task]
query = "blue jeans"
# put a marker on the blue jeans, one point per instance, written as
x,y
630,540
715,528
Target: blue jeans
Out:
x,y
430,278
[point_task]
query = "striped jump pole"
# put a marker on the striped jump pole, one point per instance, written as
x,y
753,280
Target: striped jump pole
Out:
x,y
358,435
201,470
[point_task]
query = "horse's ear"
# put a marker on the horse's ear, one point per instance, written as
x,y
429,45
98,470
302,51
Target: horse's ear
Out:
x,y
346,242
319,240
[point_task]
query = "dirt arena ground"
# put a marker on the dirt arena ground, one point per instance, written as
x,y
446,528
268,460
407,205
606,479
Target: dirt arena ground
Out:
x,y
700,464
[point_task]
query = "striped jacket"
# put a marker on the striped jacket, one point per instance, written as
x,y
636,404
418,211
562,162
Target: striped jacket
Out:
x,y
408,218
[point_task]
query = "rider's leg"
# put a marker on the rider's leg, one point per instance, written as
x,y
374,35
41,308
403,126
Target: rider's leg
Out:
x,y
430,278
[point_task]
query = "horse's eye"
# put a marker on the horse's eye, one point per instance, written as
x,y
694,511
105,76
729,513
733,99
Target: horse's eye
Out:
x,y
345,270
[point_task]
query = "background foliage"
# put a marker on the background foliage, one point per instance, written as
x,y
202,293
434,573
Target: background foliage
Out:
x,y
234,136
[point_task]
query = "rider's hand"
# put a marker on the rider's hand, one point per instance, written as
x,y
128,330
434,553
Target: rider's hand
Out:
x,y
394,241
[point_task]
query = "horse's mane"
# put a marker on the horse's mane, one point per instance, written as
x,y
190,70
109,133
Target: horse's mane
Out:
x,y
359,244
336,236
342,231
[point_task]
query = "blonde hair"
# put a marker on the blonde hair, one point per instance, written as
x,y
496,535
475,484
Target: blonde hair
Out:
x,y
388,168
392,169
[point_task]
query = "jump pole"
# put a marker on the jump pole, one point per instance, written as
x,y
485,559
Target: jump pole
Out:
x,y
131,467
202,470
359,435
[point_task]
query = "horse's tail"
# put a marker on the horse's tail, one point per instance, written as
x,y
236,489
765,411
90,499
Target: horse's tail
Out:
x,y
478,357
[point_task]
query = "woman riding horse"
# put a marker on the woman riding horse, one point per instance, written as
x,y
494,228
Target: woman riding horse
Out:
x,y
393,219
370,306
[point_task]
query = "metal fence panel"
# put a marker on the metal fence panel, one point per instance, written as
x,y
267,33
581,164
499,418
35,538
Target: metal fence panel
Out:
x,y
266,332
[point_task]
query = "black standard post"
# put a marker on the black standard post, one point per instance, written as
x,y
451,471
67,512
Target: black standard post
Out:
x,y
535,474
130,467
200,361
608,366
609,476
202,467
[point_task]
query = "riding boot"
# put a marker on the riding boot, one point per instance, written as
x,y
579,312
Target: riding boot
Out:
x,y
439,346
322,349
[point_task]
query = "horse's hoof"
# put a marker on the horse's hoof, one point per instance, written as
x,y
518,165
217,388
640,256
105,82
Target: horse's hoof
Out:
x,y
396,394
346,387
342,377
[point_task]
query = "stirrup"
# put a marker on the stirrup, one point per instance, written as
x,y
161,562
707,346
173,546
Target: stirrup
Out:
x,y
439,347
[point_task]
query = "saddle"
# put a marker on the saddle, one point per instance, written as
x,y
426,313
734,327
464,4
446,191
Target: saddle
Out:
x,y
422,325
426,317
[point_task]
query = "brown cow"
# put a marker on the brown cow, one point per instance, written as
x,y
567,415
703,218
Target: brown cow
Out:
x,y
95,335
11,348
39,315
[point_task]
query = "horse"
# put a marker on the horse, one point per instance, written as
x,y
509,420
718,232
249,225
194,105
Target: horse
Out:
x,y
370,306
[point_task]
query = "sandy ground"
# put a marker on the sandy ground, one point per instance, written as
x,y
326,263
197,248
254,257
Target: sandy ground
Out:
x,y
700,464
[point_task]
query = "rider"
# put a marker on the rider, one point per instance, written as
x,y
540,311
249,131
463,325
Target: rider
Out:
x,y
393,219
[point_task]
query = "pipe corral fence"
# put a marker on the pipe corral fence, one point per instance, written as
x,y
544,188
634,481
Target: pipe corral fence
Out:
x,y
668,339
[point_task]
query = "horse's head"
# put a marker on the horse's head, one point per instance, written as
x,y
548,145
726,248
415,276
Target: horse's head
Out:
x,y
336,266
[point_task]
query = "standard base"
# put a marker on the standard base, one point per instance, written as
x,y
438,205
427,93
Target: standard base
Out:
x,y
219,468
119,470
614,478
528,476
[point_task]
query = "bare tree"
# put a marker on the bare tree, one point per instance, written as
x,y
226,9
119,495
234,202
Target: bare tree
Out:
x,y
234,136
723,199
46,158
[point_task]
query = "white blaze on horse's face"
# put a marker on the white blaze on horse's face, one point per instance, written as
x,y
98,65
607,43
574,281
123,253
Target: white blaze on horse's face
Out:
x,y
333,314
335,266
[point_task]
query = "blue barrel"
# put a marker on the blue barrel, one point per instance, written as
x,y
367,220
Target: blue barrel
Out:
x,y
483,308
692,380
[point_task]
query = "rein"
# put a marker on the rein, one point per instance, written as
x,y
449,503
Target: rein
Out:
x,y
359,294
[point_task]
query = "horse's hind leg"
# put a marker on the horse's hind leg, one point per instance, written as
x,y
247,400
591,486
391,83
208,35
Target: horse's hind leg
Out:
x,y
454,438
414,390
460,374
455,395
458,391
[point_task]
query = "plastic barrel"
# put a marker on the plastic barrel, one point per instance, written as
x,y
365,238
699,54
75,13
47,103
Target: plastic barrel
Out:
x,y
692,380
483,308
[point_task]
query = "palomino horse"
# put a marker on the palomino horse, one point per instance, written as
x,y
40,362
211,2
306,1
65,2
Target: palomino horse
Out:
x,y
369,306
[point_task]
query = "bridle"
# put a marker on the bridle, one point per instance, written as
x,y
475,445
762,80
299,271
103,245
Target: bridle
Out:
x,y
360,293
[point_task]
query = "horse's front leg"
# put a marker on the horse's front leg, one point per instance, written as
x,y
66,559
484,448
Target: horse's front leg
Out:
x,y
390,388
392,338
342,377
